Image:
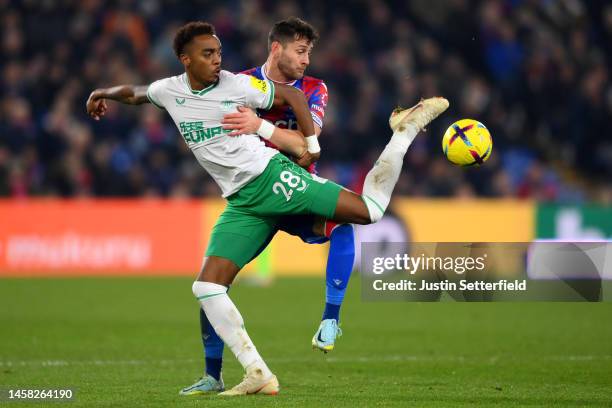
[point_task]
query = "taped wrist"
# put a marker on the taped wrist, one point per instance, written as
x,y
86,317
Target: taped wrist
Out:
x,y
312,144
266,129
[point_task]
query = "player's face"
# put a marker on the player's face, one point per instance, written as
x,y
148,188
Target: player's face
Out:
x,y
203,58
295,58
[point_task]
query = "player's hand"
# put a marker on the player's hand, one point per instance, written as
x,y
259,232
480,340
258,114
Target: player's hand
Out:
x,y
245,121
96,106
307,158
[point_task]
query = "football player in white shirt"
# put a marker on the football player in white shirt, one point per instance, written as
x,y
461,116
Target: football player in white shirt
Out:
x,y
260,184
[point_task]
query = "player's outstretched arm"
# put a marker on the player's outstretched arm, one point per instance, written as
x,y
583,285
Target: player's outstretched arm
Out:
x,y
128,94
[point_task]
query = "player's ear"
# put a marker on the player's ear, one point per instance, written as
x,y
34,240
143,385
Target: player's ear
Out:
x,y
276,47
185,60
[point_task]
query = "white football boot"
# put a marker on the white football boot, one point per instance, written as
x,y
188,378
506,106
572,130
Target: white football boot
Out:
x,y
419,115
254,383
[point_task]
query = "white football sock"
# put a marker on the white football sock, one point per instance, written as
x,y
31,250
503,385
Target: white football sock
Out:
x,y
229,325
381,179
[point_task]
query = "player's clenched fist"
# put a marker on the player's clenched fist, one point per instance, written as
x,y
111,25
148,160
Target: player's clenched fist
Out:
x,y
96,105
306,159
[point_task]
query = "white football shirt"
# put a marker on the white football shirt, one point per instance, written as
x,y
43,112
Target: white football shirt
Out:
x,y
232,161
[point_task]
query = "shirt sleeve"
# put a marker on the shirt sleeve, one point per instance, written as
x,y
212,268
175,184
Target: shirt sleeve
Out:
x,y
155,93
259,93
317,102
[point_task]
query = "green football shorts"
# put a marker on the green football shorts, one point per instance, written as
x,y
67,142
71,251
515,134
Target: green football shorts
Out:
x,y
251,215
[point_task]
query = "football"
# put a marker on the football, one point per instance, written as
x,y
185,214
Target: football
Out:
x,y
467,142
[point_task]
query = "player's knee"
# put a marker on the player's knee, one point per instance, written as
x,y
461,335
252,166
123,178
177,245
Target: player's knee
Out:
x,y
369,216
362,217
202,289
374,217
373,211
352,208
218,270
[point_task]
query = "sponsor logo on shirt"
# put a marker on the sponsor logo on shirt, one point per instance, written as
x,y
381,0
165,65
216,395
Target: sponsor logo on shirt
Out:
x,y
259,84
286,124
195,132
316,107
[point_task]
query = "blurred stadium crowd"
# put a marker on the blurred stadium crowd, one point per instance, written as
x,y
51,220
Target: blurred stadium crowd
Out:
x,y
536,72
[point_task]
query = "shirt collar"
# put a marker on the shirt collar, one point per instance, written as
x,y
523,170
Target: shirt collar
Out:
x,y
264,69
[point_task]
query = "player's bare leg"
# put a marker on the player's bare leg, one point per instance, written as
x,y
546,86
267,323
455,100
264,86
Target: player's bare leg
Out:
x,y
218,270
380,181
211,290
351,208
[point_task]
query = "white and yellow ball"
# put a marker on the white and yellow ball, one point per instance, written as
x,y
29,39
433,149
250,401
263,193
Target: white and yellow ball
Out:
x,y
467,142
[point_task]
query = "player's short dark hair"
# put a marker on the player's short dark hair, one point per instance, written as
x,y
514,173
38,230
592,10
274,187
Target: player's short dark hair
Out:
x,y
292,29
187,32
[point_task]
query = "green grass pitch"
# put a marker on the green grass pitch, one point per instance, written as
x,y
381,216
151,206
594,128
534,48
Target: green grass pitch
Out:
x,y
134,342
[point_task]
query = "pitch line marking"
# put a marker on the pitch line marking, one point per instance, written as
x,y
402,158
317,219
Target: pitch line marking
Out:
x,y
361,359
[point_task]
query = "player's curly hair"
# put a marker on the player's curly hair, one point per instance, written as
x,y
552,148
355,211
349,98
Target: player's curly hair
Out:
x,y
186,33
290,29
